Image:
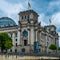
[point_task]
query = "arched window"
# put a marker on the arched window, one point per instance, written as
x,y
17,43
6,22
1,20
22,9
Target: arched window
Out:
x,y
25,33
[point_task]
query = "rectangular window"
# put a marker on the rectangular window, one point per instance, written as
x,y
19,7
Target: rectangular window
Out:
x,y
28,17
25,17
15,50
22,17
16,39
11,50
16,44
25,42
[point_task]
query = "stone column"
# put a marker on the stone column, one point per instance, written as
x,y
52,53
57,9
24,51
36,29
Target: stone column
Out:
x,y
19,38
46,40
28,36
13,38
32,35
36,36
46,43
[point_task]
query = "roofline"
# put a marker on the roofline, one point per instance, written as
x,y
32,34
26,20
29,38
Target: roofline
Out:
x,y
28,11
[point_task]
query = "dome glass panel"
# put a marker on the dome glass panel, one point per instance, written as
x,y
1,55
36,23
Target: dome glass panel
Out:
x,y
6,22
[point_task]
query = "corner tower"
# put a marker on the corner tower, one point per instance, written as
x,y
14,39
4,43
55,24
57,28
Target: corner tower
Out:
x,y
28,23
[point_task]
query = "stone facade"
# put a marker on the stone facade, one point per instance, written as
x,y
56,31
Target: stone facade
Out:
x,y
28,31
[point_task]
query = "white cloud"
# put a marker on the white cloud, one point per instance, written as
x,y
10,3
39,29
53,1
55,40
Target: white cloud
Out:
x,y
53,7
55,3
11,9
56,19
41,19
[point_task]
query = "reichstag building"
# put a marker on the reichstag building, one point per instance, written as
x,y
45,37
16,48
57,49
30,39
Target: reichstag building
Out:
x,y
29,36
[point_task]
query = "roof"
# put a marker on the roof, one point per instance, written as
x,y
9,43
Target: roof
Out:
x,y
50,26
6,22
28,11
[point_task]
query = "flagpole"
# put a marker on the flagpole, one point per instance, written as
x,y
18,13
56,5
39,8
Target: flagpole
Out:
x,y
29,6
50,21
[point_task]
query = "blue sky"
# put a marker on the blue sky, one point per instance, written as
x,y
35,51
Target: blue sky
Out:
x,y
47,9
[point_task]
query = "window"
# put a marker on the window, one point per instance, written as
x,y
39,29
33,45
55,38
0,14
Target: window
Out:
x,y
15,50
25,42
11,50
16,39
25,17
25,33
28,17
16,44
22,17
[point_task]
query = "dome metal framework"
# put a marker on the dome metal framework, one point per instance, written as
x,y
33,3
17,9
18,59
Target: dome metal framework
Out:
x,y
6,22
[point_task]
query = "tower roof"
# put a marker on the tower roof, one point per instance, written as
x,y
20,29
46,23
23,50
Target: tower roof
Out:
x,y
28,11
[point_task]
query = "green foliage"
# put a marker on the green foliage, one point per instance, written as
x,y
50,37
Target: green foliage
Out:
x,y
53,47
58,48
5,41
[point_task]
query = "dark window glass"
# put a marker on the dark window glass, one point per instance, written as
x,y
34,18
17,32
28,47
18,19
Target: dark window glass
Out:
x,y
16,39
25,17
16,44
15,50
28,17
11,50
22,17
25,42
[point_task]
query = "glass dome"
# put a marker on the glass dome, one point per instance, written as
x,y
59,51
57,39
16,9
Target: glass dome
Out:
x,y
6,22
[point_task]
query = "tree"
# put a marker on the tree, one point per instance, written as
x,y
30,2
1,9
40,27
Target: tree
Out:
x,y
53,47
58,48
5,41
